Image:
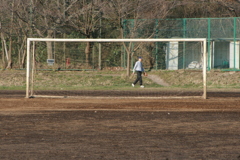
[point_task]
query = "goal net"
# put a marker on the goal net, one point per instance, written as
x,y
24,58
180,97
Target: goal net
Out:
x,y
103,68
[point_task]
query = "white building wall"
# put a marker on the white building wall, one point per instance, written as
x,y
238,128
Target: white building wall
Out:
x,y
172,56
234,58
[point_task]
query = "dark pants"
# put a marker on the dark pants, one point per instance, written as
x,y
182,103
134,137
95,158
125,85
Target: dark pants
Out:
x,y
139,78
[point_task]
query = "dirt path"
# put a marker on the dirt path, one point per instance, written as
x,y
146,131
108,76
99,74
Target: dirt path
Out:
x,y
158,80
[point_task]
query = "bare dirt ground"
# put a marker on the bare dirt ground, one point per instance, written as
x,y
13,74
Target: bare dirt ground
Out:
x,y
162,129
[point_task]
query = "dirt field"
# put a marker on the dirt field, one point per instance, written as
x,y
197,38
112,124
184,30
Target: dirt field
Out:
x,y
165,129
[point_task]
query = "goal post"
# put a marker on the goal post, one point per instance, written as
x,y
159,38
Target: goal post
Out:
x,y
31,42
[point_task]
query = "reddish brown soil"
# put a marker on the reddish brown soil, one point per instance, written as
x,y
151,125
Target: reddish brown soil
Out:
x,y
119,128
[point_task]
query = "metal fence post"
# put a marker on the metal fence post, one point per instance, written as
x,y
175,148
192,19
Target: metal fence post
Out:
x,y
156,51
209,44
184,43
234,41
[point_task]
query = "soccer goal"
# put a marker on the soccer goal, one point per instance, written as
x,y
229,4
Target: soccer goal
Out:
x,y
102,68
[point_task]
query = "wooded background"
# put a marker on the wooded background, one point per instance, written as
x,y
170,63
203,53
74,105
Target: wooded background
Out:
x,y
20,19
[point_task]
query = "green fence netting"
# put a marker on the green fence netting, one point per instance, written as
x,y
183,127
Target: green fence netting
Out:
x,y
223,35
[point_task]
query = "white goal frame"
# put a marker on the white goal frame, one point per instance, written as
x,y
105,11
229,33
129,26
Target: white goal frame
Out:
x,y
203,40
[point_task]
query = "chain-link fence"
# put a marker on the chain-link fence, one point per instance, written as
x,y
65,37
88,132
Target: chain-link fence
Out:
x,y
223,35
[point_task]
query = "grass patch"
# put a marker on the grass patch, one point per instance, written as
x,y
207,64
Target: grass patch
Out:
x,y
12,87
90,81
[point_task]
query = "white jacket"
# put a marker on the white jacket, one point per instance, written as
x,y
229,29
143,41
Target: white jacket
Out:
x,y
138,67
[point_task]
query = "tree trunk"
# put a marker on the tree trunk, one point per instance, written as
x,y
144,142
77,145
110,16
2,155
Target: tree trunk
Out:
x,y
49,45
3,57
23,51
128,63
9,66
23,57
87,53
4,49
10,43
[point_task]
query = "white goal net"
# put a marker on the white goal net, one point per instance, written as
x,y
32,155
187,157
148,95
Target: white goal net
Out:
x,y
103,68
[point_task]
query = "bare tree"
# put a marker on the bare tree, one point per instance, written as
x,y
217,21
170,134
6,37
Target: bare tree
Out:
x,y
4,46
231,7
84,17
212,8
44,17
7,15
136,9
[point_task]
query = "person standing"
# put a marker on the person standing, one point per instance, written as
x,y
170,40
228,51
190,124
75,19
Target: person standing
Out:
x,y
138,68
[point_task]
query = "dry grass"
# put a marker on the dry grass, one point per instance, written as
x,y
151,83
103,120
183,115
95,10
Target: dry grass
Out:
x,y
194,78
16,79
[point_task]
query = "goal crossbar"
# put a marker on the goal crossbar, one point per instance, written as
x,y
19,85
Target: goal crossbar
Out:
x,y
203,40
117,40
